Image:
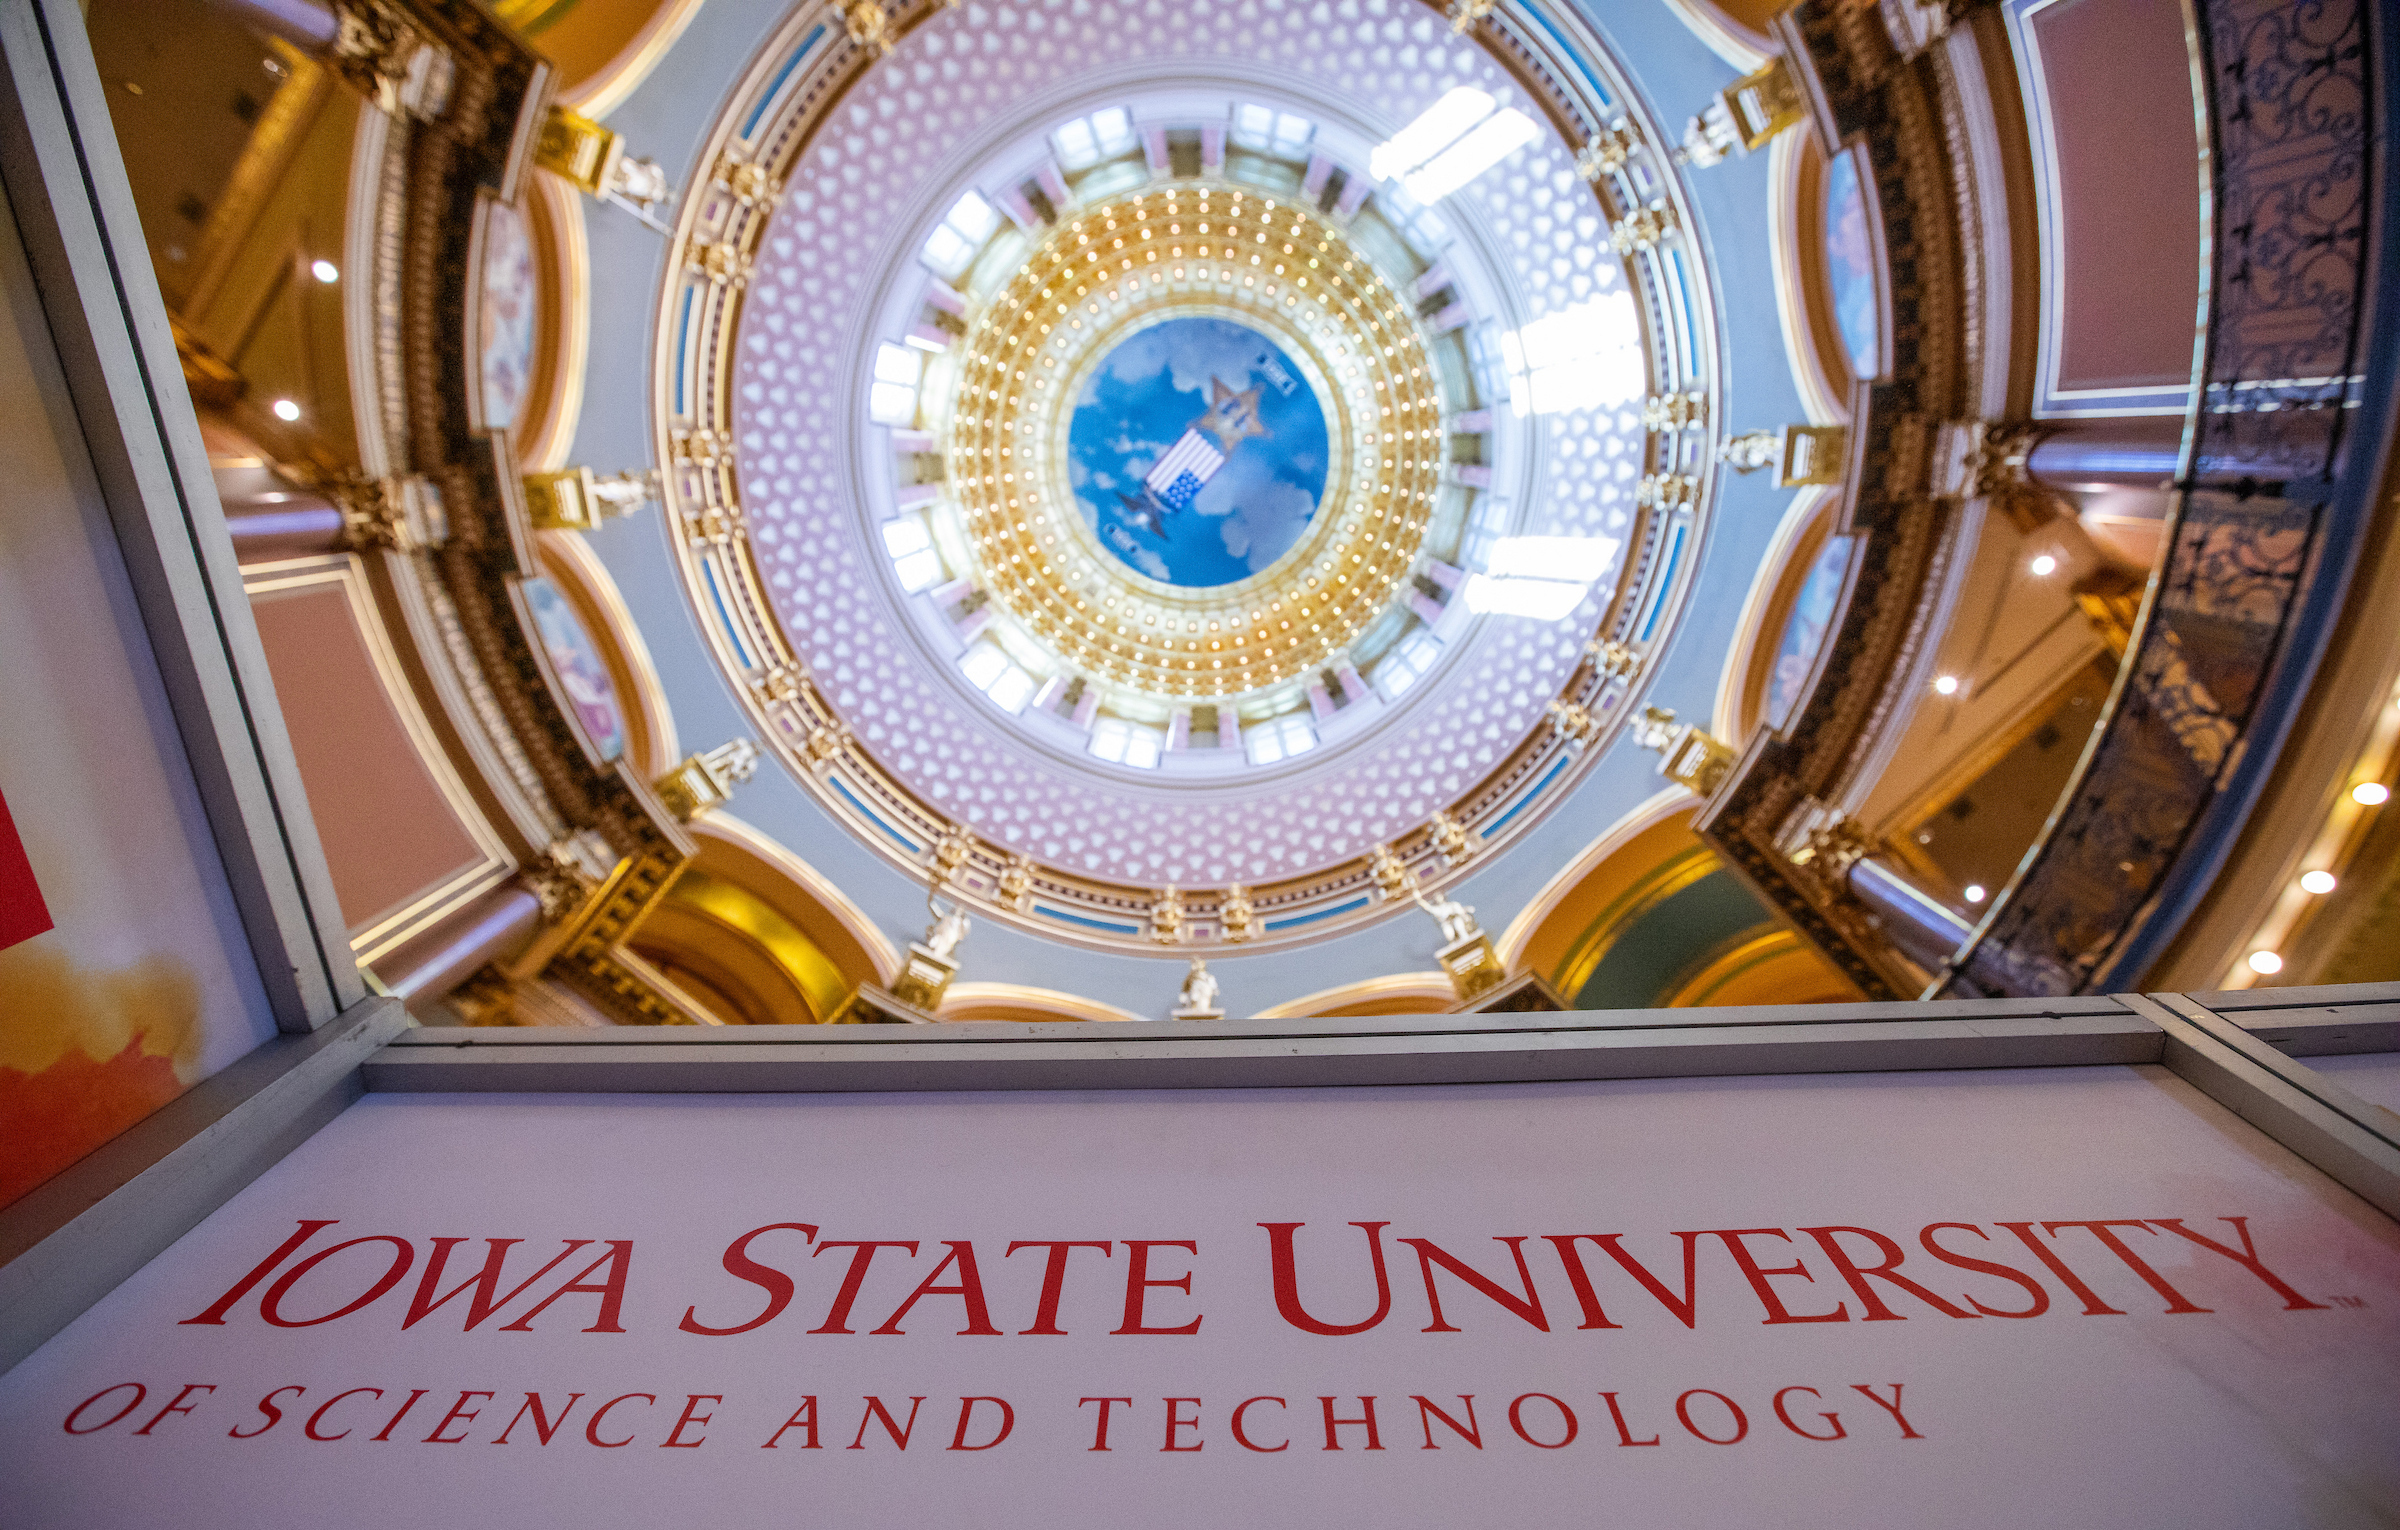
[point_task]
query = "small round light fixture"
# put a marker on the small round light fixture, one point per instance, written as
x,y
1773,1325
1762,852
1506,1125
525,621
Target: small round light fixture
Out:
x,y
2319,882
1976,892
1945,685
2044,566
285,410
2370,794
2265,963
325,271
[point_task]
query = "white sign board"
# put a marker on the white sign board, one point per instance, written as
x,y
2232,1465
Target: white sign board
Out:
x,y
2082,1296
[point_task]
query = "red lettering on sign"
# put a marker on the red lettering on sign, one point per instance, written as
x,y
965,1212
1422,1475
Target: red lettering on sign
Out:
x,y
1333,1425
591,1431
404,1254
267,1408
1833,1420
1617,1415
1138,1284
1892,1407
2041,1297
1287,1279
1581,1280
139,1392
385,1432
695,1419
485,1282
1177,1422
969,1291
1428,1411
611,1291
318,1417
837,1320
1054,1281
177,1406
1242,1439
459,1414
2133,1261
803,1417
2093,1306
1528,1306
217,1309
544,1426
2248,1259
1100,1434
876,1411
1741,1420
1828,1239
767,1278
1767,1295
966,1412
1516,1421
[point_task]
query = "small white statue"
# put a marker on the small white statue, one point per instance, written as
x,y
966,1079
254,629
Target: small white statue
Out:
x,y
1457,919
1199,996
948,930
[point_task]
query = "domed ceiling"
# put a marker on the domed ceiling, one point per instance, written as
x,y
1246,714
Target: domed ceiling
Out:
x,y
1186,473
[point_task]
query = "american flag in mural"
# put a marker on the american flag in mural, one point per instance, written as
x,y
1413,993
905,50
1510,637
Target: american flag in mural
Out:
x,y
1185,467
23,914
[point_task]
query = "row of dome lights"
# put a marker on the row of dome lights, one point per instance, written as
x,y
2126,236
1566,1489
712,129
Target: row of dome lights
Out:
x,y
992,523
2317,882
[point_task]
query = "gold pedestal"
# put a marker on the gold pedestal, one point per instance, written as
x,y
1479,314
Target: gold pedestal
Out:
x,y
924,978
1472,964
1524,994
871,1005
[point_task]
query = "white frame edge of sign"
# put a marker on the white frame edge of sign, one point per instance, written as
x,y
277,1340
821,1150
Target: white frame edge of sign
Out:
x,y
72,1240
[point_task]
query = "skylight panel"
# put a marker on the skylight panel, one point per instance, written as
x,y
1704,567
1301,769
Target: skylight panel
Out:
x,y
947,252
1546,600
1012,690
1582,559
1112,131
973,217
1585,357
1077,147
1493,140
982,665
1434,130
1544,578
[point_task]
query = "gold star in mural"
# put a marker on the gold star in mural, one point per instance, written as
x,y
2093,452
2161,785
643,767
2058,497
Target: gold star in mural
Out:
x,y
1232,417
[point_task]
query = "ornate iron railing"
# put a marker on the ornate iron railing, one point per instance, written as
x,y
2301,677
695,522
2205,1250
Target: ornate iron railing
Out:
x,y
2274,492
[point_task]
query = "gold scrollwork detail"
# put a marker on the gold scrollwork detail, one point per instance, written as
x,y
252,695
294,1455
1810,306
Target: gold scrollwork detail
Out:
x,y
1450,838
1167,924
1607,150
1643,229
1237,917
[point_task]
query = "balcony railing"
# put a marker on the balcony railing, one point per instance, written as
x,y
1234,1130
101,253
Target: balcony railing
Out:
x,y
2282,451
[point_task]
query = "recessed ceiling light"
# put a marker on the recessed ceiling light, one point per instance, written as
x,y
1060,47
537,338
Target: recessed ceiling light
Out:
x,y
325,271
2044,566
285,409
1946,685
2370,794
2317,881
2265,963
1976,893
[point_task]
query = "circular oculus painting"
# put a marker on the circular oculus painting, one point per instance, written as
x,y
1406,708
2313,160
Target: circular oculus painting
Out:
x,y
1197,452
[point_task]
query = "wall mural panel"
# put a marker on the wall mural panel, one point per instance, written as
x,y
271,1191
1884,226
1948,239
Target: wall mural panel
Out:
x,y
125,976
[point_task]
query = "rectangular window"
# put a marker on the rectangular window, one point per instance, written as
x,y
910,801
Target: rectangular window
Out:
x,y
1279,738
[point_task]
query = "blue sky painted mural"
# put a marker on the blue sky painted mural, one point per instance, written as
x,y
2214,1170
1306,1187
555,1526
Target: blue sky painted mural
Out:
x,y
1850,266
1197,452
